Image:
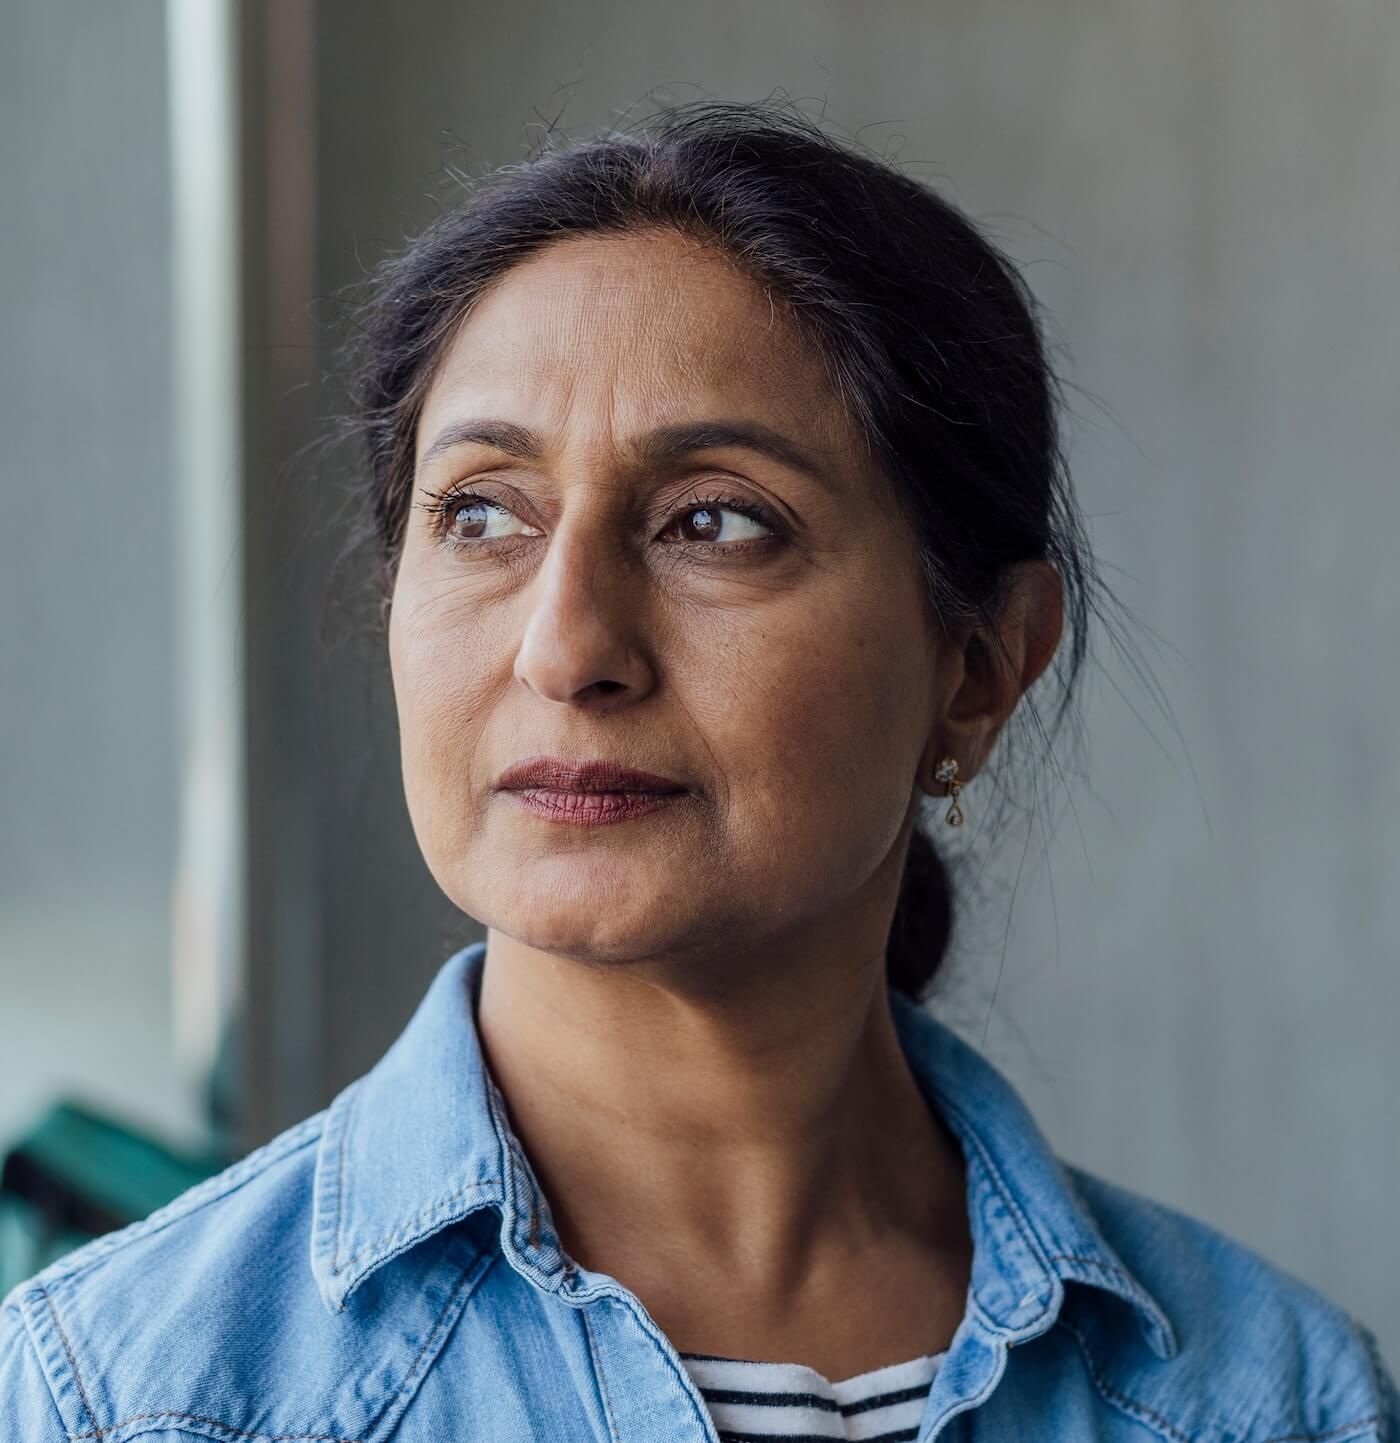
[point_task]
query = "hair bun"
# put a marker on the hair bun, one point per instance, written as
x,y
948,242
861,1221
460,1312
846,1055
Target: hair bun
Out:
x,y
923,920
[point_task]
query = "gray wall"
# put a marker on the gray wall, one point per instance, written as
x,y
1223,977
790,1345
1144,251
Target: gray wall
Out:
x,y
1196,985
87,687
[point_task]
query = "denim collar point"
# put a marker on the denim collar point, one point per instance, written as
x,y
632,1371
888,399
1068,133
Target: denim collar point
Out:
x,y
422,1140
1032,1231
414,1145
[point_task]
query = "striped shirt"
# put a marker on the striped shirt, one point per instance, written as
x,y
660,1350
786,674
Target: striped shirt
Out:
x,y
753,1402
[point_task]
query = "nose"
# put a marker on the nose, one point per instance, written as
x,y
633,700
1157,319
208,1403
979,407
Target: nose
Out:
x,y
582,641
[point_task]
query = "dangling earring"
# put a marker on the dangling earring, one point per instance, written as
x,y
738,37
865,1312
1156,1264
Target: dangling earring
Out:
x,y
947,771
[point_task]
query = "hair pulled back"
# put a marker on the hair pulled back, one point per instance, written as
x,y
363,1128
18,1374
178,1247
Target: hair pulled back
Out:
x,y
926,331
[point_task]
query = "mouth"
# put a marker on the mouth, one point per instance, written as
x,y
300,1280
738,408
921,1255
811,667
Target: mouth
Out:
x,y
588,793
591,809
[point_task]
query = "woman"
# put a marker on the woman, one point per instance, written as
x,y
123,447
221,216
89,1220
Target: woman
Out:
x,y
723,527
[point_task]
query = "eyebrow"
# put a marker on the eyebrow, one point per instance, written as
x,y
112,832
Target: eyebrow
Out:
x,y
666,443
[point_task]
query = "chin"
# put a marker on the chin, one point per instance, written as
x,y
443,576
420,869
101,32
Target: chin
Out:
x,y
581,940
593,905
591,929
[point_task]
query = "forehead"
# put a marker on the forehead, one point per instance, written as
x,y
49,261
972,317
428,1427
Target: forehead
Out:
x,y
638,329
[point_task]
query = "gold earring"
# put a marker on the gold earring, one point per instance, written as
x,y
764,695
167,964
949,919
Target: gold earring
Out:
x,y
947,771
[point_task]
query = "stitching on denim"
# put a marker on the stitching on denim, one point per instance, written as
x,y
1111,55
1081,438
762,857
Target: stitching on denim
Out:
x,y
465,1277
85,1258
405,1229
1003,1187
512,1156
340,1177
608,1290
1029,1234
1331,1432
1145,1415
222,1427
602,1381
701,1412
1380,1377
72,1362
520,1168
325,1197
1098,1263
1111,1395
481,1261
1139,1297
702,1416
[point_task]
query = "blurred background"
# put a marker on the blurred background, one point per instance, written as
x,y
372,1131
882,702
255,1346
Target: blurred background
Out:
x,y
213,914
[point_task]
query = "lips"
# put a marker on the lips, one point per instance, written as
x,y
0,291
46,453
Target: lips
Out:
x,y
557,775
591,793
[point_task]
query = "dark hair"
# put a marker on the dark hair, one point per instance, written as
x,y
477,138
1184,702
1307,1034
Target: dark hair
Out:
x,y
926,329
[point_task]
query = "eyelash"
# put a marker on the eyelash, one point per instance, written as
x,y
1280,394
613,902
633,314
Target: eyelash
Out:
x,y
442,506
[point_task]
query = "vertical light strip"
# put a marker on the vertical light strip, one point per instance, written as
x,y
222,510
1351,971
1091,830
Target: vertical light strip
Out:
x,y
285,975
209,886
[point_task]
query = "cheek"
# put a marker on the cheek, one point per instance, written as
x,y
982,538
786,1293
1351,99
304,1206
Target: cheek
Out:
x,y
439,664
820,719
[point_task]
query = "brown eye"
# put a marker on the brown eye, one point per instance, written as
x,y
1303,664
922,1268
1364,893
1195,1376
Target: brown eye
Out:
x,y
704,523
469,517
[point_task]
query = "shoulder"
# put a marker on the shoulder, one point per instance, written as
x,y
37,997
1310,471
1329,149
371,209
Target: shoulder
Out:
x,y
103,1329
1261,1356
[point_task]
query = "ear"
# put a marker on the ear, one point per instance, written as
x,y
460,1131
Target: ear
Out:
x,y
984,671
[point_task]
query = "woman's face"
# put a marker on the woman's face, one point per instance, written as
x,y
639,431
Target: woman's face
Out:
x,y
607,598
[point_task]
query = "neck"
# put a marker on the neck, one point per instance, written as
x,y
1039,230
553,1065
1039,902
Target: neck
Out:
x,y
752,1116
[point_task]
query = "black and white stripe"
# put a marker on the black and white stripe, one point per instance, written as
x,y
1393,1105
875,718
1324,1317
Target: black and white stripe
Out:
x,y
754,1402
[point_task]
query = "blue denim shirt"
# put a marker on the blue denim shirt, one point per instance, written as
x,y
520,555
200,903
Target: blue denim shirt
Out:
x,y
388,1268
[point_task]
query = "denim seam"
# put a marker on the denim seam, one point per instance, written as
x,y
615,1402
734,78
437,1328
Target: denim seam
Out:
x,y
1381,1379
683,1377
990,1326
1098,1263
85,1258
1139,1412
614,1293
1128,1282
1330,1433
340,1190
465,1277
513,1165
1029,1236
1143,1414
1002,1186
1001,1349
325,1203
405,1229
602,1380
214,1423
481,1262
72,1361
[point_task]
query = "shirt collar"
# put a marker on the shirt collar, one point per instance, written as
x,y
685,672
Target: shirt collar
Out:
x,y
1032,1232
422,1140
